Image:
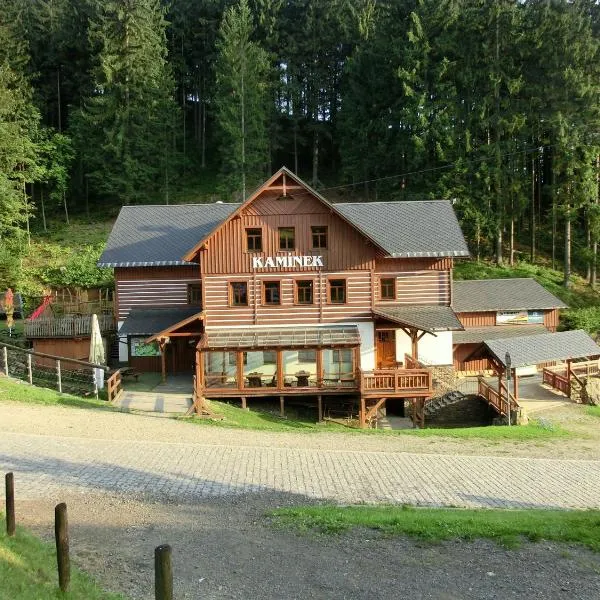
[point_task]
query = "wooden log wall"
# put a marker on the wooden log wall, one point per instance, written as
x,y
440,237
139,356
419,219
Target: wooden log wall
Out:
x,y
152,287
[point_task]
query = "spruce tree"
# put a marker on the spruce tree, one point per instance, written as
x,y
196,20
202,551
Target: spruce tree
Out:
x,y
124,131
242,102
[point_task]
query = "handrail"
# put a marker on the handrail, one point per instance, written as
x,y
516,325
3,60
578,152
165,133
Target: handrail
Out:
x,y
63,358
396,380
114,386
496,398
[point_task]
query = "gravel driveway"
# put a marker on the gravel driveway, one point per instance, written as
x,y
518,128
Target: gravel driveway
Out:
x,y
132,482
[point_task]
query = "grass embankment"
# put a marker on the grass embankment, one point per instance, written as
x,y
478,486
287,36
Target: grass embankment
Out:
x,y
28,571
263,420
23,392
506,527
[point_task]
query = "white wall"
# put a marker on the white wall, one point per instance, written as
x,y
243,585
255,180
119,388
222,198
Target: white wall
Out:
x,y
123,349
433,350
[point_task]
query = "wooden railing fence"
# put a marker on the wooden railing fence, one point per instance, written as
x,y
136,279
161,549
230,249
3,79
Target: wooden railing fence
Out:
x,y
396,380
498,398
67,326
560,377
114,386
55,372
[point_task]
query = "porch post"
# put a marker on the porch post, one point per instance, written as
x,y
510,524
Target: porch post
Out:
x,y
414,344
239,370
162,346
320,368
363,412
320,407
569,376
280,371
516,384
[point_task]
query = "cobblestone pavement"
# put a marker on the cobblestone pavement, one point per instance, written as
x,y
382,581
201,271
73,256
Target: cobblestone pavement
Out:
x,y
187,472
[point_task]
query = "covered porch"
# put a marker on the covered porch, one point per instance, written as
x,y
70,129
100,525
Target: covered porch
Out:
x,y
301,361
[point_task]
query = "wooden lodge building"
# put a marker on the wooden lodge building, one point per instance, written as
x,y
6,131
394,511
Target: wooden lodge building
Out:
x,y
287,294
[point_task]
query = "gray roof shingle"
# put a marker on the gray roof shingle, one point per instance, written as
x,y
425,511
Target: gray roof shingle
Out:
x,y
534,349
423,317
157,235
427,228
148,321
476,335
480,295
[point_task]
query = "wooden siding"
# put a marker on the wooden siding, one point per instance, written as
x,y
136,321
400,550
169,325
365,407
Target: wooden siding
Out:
x,y
488,319
219,313
461,352
417,287
226,249
77,348
152,287
393,265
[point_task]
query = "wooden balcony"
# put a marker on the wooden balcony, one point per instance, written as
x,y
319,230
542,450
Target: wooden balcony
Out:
x,y
69,326
397,383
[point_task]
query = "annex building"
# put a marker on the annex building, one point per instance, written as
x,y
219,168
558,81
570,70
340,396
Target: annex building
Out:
x,y
288,294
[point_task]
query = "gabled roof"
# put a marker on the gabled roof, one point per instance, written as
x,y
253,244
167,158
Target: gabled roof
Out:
x,y
534,349
157,235
161,235
502,294
427,318
427,228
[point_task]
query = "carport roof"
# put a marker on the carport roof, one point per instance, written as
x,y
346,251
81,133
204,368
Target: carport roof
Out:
x,y
545,347
149,321
427,318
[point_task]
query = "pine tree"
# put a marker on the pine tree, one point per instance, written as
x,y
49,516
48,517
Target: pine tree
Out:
x,y
124,132
242,106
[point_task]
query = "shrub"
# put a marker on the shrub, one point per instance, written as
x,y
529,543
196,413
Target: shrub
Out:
x,y
582,318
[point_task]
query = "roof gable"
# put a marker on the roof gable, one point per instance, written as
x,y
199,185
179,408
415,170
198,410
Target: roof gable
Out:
x,y
288,184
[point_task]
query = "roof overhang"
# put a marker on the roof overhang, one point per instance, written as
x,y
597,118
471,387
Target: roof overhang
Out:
x,y
535,349
427,318
230,339
155,322
477,335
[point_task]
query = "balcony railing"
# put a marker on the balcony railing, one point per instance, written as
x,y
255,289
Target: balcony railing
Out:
x,y
67,326
396,382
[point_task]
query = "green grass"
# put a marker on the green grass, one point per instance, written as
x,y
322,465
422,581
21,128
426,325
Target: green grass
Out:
x,y
261,420
22,392
507,527
594,411
28,572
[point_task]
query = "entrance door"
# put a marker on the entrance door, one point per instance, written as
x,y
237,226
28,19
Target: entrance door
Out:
x,y
386,349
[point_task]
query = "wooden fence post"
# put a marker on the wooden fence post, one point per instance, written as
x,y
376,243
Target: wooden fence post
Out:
x,y
58,377
10,504
163,573
5,355
29,370
61,535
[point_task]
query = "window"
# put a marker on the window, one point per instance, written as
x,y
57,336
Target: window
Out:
x,y
387,288
304,291
287,238
194,294
269,357
238,293
319,236
232,358
254,240
272,292
307,356
337,291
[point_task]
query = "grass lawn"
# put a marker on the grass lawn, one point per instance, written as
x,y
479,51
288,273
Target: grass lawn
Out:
x,y
593,410
23,392
507,527
264,420
28,572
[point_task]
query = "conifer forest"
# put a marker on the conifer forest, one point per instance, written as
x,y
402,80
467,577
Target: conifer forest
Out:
x,y
491,103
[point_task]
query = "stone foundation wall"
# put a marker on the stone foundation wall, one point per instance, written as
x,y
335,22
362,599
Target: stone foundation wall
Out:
x,y
469,411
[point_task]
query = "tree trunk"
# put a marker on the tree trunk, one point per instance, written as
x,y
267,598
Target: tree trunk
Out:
x,y
594,236
567,267
315,159
43,207
532,225
553,216
64,198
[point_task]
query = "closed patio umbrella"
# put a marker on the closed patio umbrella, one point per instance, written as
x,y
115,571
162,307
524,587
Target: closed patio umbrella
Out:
x,y
97,355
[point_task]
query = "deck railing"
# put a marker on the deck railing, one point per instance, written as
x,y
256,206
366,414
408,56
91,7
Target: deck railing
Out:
x,y
67,326
557,380
114,386
396,381
497,398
